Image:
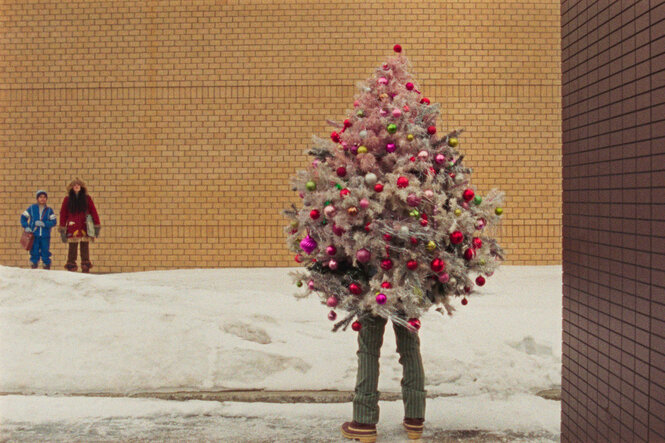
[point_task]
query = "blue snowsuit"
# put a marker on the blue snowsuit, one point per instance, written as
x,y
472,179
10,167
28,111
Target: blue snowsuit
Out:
x,y
40,247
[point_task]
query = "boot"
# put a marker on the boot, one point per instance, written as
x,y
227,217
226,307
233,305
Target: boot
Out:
x,y
71,267
71,257
358,431
85,257
33,265
414,427
85,267
47,267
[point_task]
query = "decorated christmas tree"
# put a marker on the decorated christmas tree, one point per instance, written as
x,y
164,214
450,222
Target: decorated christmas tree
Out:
x,y
390,224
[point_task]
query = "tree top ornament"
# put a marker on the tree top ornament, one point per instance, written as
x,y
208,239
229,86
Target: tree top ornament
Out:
x,y
389,224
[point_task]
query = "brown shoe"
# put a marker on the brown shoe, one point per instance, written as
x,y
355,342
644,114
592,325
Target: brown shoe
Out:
x,y
414,427
359,431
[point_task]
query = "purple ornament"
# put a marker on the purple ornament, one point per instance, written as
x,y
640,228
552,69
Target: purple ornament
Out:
x,y
331,250
332,264
354,149
390,147
332,315
381,299
363,255
308,244
444,277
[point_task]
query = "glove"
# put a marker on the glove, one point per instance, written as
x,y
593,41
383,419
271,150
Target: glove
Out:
x,y
28,230
97,229
40,223
63,236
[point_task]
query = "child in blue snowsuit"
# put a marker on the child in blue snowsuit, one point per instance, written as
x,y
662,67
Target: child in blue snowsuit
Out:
x,y
39,219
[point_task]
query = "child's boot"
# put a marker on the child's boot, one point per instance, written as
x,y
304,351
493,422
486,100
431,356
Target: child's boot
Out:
x,y
85,267
414,427
47,267
364,433
33,265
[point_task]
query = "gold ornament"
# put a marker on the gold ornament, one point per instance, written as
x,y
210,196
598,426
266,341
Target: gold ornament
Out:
x,y
481,261
498,211
362,150
294,224
431,246
352,211
409,137
458,212
452,142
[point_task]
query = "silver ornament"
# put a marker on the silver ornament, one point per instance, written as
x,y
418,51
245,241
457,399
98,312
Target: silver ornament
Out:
x,y
370,178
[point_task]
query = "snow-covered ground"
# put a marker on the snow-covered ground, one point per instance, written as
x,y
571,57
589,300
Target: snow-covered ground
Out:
x,y
67,333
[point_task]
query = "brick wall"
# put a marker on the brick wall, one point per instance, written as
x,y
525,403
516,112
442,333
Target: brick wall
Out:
x,y
186,119
613,64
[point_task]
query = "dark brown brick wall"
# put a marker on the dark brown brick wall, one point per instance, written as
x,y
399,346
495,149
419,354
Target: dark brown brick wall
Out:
x,y
613,105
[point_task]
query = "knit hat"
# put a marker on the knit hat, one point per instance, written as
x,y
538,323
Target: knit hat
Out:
x,y
40,192
76,181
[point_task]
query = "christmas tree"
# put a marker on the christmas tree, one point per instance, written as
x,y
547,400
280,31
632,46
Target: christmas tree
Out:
x,y
389,223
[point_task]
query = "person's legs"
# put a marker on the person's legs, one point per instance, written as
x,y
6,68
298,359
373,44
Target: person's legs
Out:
x,y
366,399
85,257
71,256
413,374
45,252
34,253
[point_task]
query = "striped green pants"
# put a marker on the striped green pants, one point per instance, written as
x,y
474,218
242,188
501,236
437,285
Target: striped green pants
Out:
x,y
366,399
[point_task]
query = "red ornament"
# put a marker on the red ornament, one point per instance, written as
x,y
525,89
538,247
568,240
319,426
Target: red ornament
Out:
x,y
423,222
341,171
438,265
456,237
425,100
432,171
480,280
314,214
334,137
468,195
412,264
356,326
355,289
465,301
347,123
414,240
431,130
477,243
397,48
298,258
469,254
415,323
409,86
344,192
412,159
337,230
367,228
386,285
387,237
402,182
467,289
386,264
378,187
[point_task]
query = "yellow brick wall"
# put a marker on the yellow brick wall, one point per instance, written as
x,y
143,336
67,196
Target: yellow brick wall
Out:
x,y
187,118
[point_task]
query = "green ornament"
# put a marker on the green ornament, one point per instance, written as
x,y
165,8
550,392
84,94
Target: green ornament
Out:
x,y
324,222
498,211
338,186
310,185
299,284
328,202
360,113
391,128
414,213
477,199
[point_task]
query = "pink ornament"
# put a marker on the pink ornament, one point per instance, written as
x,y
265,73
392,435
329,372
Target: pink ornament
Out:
x,y
345,146
415,323
409,86
440,159
364,203
397,113
331,250
406,108
315,163
423,155
356,104
363,255
332,315
381,299
390,147
329,211
480,224
308,244
386,67
332,264
429,193
465,205
383,112
310,285
413,200
383,81
443,278
331,302
337,230
301,195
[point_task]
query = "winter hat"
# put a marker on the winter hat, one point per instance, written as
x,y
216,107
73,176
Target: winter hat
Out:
x,y
40,192
76,181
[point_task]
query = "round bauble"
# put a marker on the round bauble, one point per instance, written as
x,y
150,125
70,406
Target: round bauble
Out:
x,y
423,155
429,193
355,289
378,187
409,86
437,265
381,299
386,264
332,301
457,212
469,254
456,237
310,185
404,231
498,211
411,265
415,323
331,250
370,178
329,211
362,150
310,285
409,137
431,130
413,200
364,203
353,211
468,194
332,315
299,284
391,128
356,326
425,101
402,182
397,113
453,141
337,230
480,280
477,200
314,214
383,81
341,171
298,258
444,277
386,285
332,264
480,224
363,255
431,245
344,192
390,147
477,243
439,159
397,48
465,301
